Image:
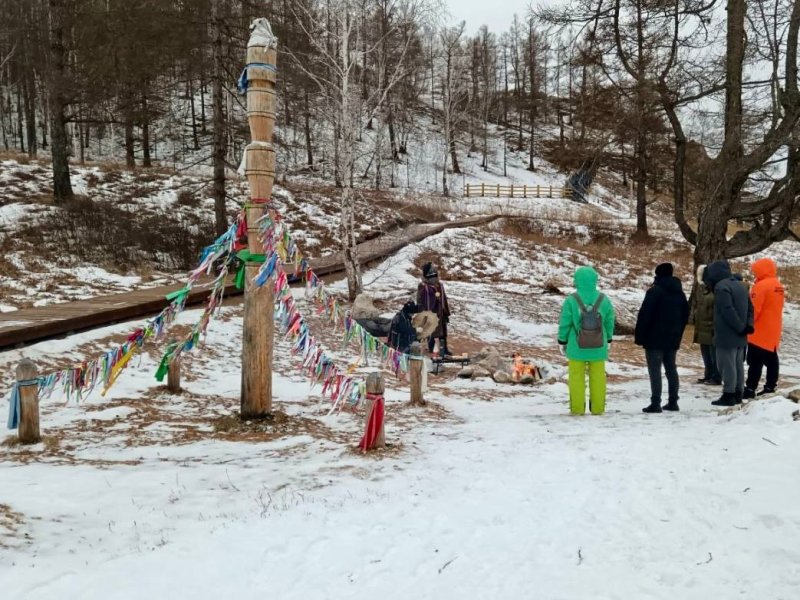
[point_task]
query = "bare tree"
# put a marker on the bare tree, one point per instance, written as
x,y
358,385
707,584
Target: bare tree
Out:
x,y
341,52
58,81
453,85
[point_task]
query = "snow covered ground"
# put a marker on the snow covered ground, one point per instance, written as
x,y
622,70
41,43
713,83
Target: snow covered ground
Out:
x,y
490,491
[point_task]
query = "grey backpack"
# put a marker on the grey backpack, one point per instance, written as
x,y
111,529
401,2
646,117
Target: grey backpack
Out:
x,y
590,335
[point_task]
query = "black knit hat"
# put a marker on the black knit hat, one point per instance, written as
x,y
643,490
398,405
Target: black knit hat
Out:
x,y
429,271
664,270
410,308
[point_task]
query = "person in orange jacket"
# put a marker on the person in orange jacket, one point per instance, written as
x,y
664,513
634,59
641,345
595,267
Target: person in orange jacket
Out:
x,y
767,295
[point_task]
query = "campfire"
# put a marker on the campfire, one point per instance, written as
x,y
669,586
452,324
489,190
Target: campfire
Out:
x,y
524,369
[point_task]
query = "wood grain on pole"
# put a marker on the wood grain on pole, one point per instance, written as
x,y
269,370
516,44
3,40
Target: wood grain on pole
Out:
x,y
376,385
258,330
28,403
415,367
174,375
257,338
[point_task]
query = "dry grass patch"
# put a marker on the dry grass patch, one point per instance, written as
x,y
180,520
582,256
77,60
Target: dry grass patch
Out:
x,y
11,524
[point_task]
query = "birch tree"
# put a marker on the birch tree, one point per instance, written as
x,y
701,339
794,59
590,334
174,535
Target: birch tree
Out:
x,y
338,39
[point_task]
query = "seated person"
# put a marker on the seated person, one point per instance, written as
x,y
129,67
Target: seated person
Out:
x,y
402,332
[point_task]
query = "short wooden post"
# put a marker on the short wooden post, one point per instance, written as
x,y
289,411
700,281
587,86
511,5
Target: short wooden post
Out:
x,y
525,191
467,194
538,192
174,375
512,190
482,190
550,195
28,403
498,190
415,367
375,385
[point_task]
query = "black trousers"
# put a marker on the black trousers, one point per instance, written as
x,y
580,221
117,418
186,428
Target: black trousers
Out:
x,y
655,360
757,359
709,354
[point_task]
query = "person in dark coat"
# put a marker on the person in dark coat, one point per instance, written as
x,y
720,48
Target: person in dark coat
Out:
x,y
733,321
704,331
431,296
659,329
402,333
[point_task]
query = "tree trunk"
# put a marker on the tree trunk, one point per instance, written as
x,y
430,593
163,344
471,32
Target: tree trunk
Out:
x,y
220,134
30,111
130,150
20,131
307,130
203,129
723,183
454,155
146,162
349,244
641,184
532,112
392,135
62,186
190,93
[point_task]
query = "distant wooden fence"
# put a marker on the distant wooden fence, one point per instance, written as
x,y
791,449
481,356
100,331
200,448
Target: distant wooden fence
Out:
x,y
488,190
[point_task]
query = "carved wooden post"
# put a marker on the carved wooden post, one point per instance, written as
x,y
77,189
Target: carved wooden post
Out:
x,y
174,375
28,402
375,386
415,367
257,335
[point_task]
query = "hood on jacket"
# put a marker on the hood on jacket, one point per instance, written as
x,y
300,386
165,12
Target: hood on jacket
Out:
x,y
701,270
586,280
410,308
670,284
665,270
717,271
764,268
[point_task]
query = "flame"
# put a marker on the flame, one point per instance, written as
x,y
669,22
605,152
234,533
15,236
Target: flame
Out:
x,y
522,368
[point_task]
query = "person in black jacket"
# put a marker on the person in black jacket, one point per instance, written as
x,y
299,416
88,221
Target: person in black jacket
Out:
x,y
733,321
659,329
402,333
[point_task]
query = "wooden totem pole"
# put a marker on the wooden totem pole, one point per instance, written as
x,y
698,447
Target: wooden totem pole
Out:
x,y
257,338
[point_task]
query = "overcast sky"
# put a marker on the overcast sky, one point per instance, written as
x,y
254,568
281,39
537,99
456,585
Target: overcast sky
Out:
x,y
497,14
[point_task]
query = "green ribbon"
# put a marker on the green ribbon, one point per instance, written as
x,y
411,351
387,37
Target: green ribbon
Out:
x,y
178,294
163,367
246,257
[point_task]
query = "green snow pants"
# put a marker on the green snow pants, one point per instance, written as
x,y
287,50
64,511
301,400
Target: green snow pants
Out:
x,y
577,386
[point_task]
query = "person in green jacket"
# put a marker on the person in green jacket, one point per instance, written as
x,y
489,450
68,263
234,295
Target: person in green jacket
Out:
x,y
704,330
583,348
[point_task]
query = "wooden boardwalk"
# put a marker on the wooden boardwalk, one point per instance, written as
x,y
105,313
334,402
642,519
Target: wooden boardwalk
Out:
x,y
40,323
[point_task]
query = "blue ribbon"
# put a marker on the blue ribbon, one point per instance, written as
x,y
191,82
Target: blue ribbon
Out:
x,y
14,406
242,83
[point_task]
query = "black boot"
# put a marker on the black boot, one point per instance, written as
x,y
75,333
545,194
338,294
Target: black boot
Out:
x,y
703,380
655,407
672,405
443,349
766,390
727,399
748,393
